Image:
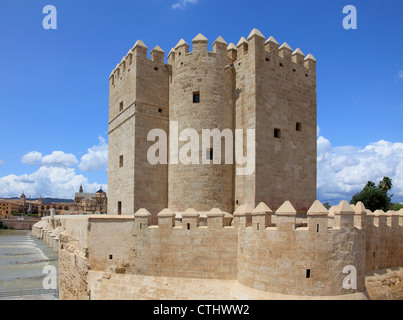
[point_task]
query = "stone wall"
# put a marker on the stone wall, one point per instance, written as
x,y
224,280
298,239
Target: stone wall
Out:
x,y
306,261
181,253
384,240
266,252
19,225
73,273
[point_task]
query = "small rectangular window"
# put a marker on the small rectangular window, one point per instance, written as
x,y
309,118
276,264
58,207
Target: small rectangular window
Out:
x,y
188,226
120,161
196,97
160,110
209,154
277,133
110,257
298,126
308,273
121,106
119,208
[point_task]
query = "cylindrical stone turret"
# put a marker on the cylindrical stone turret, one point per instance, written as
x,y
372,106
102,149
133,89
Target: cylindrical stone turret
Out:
x,y
200,99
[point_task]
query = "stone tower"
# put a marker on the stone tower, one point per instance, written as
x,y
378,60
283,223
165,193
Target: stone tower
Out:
x,y
200,97
23,199
138,103
256,85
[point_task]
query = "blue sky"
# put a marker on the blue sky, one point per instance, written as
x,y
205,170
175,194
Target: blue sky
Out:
x,y
54,84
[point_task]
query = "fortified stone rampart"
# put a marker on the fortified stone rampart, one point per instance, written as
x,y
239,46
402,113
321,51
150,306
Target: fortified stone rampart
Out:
x,y
384,239
271,253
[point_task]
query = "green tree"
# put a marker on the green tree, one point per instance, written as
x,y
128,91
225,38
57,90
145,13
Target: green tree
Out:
x,y
373,197
396,206
369,184
385,184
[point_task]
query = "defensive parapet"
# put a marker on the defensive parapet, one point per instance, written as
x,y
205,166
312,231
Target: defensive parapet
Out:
x,y
305,261
261,249
384,240
270,48
274,257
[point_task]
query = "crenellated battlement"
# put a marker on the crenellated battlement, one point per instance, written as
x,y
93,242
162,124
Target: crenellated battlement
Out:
x,y
138,51
269,47
317,219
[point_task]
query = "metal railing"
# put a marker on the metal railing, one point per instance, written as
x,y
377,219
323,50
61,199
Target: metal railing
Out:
x,y
29,292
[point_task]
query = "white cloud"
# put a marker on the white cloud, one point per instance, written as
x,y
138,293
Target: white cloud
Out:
x,y
182,4
59,159
96,158
401,74
2,163
56,159
56,176
33,158
343,171
48,182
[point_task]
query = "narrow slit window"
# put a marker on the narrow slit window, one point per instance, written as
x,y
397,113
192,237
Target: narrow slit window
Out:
x,y
257,226
277,133
196,97
121,106
308,273
119,208
209,154
317,228
188,226
298,126
121,162
110,257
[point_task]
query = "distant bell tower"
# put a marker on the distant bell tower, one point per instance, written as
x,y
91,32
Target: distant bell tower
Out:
x,y
23,199
81,189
